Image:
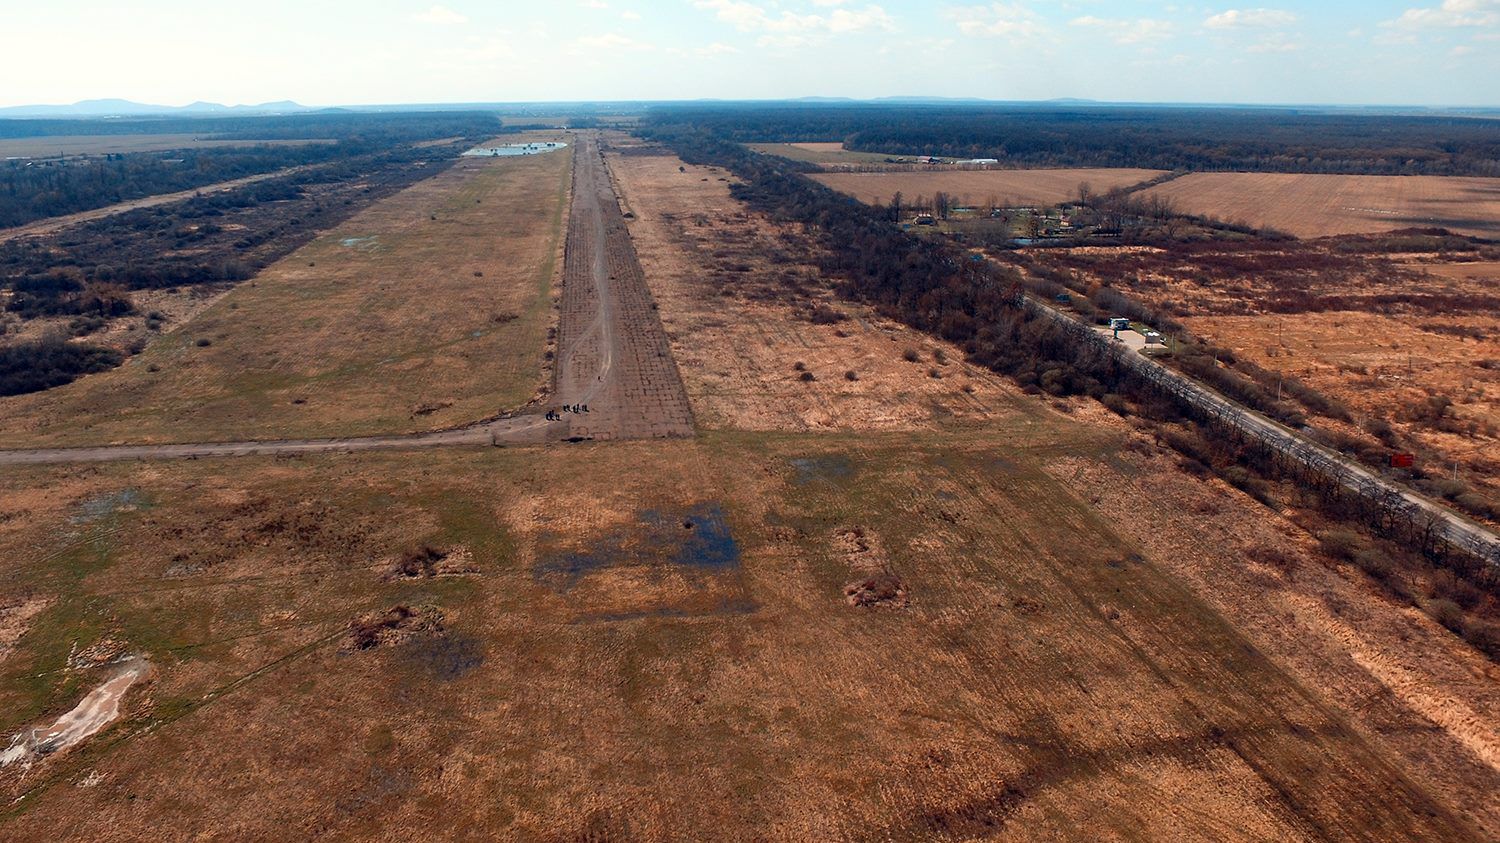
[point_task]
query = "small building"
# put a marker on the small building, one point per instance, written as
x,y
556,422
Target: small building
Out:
x,y
926,219
1154,338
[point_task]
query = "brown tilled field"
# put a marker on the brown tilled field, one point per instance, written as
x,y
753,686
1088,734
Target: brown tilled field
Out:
x,y
740,308
979,187
426,310
1320,206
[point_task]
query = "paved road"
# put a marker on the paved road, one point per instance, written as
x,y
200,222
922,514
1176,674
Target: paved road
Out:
x,y
1458,531
612,357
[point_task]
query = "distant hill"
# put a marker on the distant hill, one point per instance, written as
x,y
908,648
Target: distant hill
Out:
x,y
126,108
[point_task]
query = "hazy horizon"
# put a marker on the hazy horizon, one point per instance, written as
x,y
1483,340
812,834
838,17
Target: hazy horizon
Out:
x,y
172,53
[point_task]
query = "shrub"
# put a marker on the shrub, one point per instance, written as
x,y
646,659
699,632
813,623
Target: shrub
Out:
x,y
911,355
1447,613
35,366
825,315
1342,544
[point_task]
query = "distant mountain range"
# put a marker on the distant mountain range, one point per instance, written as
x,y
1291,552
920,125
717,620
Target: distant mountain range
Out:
x,y
126,108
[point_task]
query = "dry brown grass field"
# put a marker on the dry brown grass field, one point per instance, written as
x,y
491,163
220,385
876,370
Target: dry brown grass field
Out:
x,y
428,309
1385,366
977,187
655,640
1382,336
740,331
1320,205
901,607
68,146
821,153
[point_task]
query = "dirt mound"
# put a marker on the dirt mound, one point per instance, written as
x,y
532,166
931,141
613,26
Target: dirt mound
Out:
x,y
876,583
426,562
395,625
883,588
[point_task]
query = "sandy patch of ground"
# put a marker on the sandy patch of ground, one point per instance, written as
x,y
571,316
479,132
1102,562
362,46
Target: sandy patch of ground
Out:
x,y
96,710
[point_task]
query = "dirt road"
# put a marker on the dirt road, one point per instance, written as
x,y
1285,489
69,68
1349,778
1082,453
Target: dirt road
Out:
x,y
613,358
51,224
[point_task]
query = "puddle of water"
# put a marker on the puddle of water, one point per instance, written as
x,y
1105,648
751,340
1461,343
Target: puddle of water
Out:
x,y
445,657
697,538
827,467
103,506
514,149
93,712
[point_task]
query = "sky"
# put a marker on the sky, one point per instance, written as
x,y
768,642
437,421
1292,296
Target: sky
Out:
x,y
330,52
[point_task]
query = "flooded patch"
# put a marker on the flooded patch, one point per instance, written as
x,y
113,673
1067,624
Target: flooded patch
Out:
x,y
694,539
830,468
444,657
93,713
511,149
103,506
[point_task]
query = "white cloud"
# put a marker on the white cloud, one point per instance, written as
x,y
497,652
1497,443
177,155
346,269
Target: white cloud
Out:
x,y
1452,13
1275,44
1250,18
748,17
997,20
630,15
441,16
1137,31
610,41
706,51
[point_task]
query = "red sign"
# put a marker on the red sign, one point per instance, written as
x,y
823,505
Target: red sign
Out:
x,y
1403,460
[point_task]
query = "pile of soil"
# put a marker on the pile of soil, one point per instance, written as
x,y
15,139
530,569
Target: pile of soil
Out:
x,y
392,626
876,584
426,562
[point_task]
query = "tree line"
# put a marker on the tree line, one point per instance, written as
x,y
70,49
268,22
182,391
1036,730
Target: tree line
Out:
x,y
1195,139
37,189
